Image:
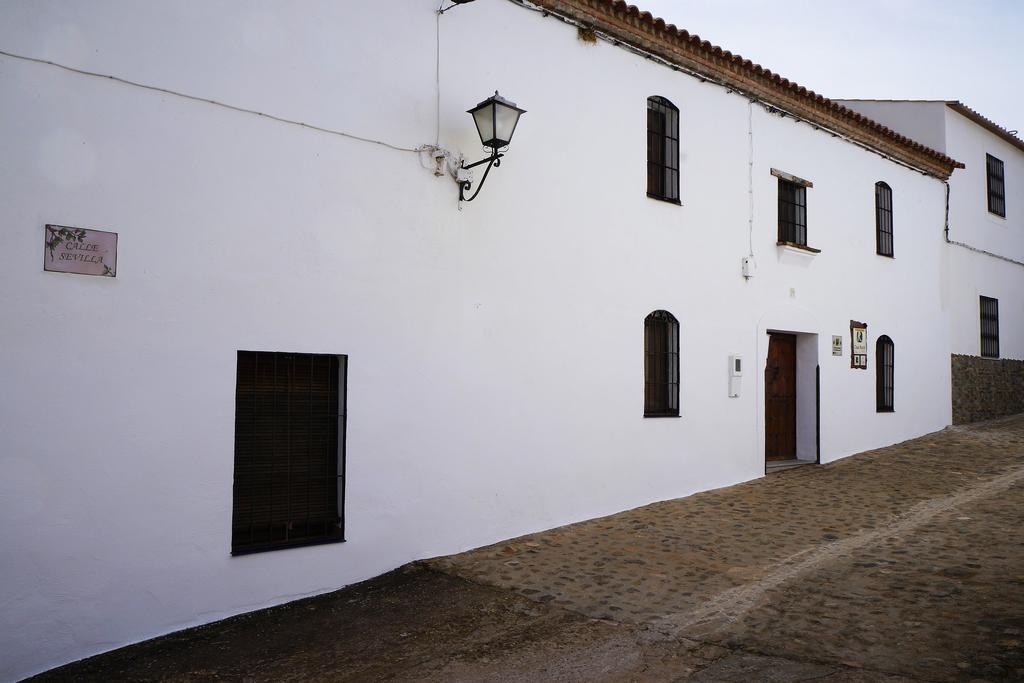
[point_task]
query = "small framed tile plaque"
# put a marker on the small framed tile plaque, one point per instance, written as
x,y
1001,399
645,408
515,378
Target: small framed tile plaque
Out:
x,y
858,345
76,250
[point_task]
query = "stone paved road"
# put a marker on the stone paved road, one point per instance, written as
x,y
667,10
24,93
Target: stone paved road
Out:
x,y
901,564
907,560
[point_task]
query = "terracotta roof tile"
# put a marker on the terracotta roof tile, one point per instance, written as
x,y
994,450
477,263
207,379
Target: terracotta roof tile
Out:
x,y
641,29
992,126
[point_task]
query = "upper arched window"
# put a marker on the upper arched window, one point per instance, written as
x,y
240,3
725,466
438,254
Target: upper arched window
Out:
x,y
884,374
662,149
883,219
661,365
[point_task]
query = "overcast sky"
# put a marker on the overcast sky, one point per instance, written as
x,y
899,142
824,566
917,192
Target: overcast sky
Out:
x,y
967,50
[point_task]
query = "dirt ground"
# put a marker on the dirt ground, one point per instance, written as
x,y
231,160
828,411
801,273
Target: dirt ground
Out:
x,y
901,564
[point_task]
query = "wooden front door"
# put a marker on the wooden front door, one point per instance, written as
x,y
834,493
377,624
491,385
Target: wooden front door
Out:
x,y
780,398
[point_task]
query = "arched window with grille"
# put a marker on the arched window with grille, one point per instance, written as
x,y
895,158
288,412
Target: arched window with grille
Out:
x,y
662,150
883,219
884,374
661,365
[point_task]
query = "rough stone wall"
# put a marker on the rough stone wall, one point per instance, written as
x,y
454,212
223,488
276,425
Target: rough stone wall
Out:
x,y
984,388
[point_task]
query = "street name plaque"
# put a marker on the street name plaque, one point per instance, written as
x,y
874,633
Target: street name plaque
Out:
x,y
76,250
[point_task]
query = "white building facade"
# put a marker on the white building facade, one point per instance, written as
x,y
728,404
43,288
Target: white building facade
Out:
x,y
983,266
489,358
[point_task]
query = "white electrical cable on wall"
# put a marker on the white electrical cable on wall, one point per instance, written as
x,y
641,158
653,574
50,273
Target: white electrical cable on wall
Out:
x,y
750,176
437,74
216,103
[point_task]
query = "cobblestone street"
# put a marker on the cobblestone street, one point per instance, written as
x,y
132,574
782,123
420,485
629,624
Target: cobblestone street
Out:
x,y
904,563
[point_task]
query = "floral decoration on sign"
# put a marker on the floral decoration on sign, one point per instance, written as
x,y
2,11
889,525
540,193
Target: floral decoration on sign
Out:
x,y
62,234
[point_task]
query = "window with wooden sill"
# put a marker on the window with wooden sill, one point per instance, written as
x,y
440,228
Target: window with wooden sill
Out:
x,y
793,211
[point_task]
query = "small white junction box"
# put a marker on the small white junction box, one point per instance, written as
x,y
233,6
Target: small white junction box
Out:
x,y
735,375
748,267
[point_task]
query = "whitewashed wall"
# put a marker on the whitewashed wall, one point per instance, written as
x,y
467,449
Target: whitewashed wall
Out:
x,y
968,274
972,274
969,217
898,297
920,120
495,354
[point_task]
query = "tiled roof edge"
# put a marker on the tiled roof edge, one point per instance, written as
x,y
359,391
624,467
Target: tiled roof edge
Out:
x,y
643,30
988,124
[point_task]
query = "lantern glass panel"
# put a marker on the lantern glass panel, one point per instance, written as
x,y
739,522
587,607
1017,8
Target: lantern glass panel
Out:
x,y
505,119
484,119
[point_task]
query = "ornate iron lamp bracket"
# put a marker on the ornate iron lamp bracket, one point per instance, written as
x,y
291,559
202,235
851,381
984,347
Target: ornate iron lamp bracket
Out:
x,y
466,185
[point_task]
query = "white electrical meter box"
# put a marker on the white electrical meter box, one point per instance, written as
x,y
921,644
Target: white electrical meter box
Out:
x,y
735,375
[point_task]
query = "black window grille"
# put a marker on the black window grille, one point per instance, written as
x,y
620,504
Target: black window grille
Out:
x,y
289,450
662,149
883,219
661,365
989,327
996,186
884,374
792,213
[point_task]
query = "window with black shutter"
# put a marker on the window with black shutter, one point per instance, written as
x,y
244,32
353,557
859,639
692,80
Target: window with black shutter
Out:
x,y
996,186
883,219
661,365
884,374
792,213
289,486
989,327
662,150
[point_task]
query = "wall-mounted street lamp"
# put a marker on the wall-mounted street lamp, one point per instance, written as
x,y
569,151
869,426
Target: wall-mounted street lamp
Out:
x,y
495,120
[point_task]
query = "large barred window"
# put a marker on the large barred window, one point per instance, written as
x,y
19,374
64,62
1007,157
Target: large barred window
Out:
x,y
661,365
989,327
883,219
884,374
996,186
662,150
289,450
